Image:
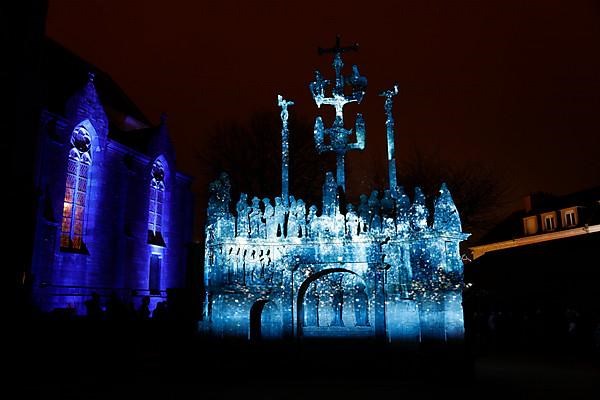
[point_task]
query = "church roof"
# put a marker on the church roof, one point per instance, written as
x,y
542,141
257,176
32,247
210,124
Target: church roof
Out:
x,y
64,73
138,139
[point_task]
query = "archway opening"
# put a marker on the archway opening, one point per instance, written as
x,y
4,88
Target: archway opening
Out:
x,y
334,302
265,320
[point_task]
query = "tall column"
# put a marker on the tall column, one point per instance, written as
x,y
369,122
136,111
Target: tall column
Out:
x,y
285,152
287,301
389,124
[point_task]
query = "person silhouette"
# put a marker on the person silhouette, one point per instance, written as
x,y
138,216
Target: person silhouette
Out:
x,y
243,211
144,310
160,312
93,307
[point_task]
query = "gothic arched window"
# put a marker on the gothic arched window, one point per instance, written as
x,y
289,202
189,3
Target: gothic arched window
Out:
x,y
155,209
78,165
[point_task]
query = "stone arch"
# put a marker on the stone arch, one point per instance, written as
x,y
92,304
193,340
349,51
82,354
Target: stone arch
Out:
x,y
303,288
265,320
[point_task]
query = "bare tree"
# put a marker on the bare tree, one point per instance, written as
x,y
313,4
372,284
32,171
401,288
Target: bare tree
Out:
x,y
479,192
251,156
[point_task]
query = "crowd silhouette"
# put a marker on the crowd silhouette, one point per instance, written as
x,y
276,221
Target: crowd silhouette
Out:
x,y
113,308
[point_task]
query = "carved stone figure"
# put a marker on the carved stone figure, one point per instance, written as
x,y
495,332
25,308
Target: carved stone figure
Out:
x,y
337,305
243,211
311,222
301,217
280,210
255,218
351,221
361,306
269,218
363,213
330,200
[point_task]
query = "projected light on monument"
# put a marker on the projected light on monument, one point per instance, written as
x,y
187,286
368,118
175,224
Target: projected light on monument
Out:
x,y
281,268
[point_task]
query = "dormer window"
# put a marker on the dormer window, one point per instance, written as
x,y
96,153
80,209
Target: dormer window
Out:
x,y
569,217
530,225
549,223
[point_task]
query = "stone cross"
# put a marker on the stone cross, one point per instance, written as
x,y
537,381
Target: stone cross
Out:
x,y
339,141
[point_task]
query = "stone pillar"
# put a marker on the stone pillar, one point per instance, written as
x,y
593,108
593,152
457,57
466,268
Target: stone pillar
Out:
x,y
431,316
287,301
454,319
379,303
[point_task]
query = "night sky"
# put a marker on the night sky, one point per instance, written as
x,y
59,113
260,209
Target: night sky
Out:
x,y
512,84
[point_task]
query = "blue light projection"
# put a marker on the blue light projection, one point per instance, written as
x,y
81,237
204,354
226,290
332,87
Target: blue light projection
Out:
x,y
80,159
389,125
285,152
382,268
110,219
338,135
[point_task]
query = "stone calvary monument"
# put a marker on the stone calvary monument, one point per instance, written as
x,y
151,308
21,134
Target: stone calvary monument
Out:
x,y
381,269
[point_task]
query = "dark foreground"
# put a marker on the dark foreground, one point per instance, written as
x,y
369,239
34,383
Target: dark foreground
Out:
x,y
135,360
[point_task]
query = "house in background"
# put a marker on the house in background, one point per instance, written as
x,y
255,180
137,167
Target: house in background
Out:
x,y
113,214
540,268
545,218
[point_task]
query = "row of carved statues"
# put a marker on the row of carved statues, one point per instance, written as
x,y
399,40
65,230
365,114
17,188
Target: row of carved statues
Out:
x,y
289,218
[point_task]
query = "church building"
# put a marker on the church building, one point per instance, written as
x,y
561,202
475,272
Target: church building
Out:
x,y
114,215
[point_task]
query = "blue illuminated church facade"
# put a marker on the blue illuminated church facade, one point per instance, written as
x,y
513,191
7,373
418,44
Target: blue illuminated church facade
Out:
x,y
387,268
114,216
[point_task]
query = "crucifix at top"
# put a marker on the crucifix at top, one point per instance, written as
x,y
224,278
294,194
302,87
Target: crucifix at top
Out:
x,y
338,136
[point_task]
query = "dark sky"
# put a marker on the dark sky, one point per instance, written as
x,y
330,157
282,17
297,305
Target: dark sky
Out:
x,y
512,84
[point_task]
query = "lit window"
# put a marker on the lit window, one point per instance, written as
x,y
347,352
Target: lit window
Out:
x,y
78,165
549,223
530,225
570,218
155,210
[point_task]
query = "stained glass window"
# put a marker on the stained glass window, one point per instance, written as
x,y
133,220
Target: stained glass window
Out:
x,y
155,209
76,187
